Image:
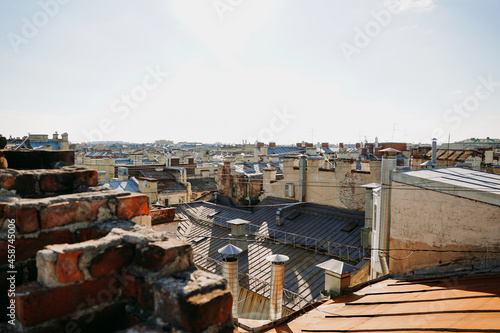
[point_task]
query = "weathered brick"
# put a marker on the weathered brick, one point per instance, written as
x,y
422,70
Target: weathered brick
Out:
x,y
132,205
56,215
67,270
91,233
154,256
86,177
36,304
2,209
112,260
26,217
26,248
194,301
25,183
86,211
66,180
55,181
7,179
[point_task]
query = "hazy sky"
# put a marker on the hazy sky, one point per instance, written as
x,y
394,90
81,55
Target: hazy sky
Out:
x,y
233,70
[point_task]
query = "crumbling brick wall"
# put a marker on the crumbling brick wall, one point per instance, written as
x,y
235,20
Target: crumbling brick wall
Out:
x,y
87,261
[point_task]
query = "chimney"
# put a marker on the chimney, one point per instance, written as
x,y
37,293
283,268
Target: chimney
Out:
x,y
272,144
55,136
302,177
275,158
434,150
366,232
260,144
325,145
238,233
276,299
337,275
358,145
309,145
230,255
299,144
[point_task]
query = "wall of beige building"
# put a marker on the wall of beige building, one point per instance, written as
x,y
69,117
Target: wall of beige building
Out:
x,y
429,220
340,187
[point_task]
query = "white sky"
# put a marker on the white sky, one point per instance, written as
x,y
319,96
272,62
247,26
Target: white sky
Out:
x,y
233,70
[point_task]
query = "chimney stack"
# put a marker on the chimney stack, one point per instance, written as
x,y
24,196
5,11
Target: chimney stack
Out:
x,y
230,255
272,144
238,233
434,150
277,272
325,145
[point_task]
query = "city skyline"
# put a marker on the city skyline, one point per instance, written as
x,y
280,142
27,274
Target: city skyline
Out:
x,y
228,71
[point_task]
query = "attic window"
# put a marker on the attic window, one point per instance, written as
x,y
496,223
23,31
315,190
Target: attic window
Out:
x,y
349,227
212,214
293,216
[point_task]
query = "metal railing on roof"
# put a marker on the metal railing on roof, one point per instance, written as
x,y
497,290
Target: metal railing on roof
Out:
x,y
291,299
321,246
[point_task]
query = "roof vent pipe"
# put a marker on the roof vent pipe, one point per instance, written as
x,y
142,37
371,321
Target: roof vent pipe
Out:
x,y
276,299
434,150
230,255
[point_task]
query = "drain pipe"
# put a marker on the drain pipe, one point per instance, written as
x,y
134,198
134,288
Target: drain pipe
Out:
x,y
434,150
302,177
230,255
388,166
276,299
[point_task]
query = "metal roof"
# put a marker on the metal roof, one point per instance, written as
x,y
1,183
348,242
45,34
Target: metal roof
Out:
x,y
253,169
203,184
299,239
282,151
461,182
301,274
127,185
457,304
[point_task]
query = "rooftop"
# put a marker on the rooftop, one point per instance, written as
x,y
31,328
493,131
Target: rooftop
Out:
x,y
458,304
461,182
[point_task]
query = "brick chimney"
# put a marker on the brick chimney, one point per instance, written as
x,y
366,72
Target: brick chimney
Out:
x,y
272,144
325,145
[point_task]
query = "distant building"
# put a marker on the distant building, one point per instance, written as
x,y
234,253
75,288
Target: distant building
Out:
x,y
40,141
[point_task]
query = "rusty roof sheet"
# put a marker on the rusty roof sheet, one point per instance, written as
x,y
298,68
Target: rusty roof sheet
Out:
x,y
465,304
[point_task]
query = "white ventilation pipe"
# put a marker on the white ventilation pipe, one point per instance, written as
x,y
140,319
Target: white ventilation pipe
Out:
x,y
276,298
229,255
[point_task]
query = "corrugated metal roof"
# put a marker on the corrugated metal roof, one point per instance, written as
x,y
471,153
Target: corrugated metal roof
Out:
x,y
462,304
